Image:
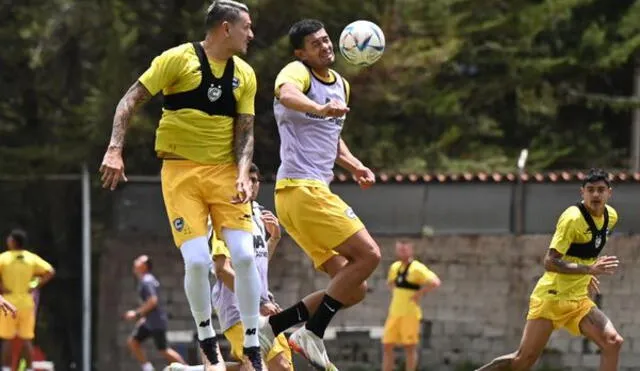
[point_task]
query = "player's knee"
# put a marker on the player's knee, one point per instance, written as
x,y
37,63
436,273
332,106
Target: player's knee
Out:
x,y
279,363
242,260
613,343
195,254
132,342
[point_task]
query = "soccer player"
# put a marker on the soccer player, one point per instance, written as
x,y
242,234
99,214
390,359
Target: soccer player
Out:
x,y
205,139
18,268
151,316
561,299
310,107
409,281
266,235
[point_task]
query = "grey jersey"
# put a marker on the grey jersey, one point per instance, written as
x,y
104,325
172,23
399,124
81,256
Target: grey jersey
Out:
x,y
224,300
149,286
309,143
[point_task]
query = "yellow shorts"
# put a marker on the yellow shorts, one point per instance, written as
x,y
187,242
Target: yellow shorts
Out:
x,y
401,330
193,191
235,336
23,325
565,314
316,219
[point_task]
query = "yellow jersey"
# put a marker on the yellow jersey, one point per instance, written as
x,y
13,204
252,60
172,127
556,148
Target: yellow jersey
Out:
x,y
191,133
417,274
17,269
572,228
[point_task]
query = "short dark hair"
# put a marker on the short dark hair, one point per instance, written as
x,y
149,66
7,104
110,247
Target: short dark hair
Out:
x,y
224,11
19,237
254,169
149,263
596,175
302,29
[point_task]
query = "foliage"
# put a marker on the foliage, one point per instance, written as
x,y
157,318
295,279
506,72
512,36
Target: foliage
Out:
x,y
460,88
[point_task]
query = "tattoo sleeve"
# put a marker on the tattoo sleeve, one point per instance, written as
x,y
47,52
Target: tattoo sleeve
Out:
x,y
243,141
136,96
553,262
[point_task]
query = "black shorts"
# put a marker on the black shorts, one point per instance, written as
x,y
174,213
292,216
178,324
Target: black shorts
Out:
x,y
142,333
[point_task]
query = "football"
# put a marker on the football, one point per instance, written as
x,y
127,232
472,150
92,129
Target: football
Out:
x,y
362,43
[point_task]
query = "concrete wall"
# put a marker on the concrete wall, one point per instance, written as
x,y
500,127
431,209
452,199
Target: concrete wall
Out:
x,y
477,314
411,208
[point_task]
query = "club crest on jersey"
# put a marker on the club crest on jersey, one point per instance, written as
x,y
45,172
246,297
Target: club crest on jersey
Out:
x,y
214,93
350,214
598,242
178,224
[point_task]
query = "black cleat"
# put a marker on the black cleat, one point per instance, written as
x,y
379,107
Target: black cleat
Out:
x,y
253,356
209,347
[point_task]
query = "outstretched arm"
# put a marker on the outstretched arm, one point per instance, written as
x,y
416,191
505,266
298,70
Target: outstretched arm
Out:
x,y
112,167
136,96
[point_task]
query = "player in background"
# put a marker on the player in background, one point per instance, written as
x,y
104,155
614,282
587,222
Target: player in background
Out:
x,y
151,317
266,235
18,268
205,139
310,107
409,281
561,299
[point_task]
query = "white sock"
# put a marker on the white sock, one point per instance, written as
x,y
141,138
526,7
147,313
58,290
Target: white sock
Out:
x,y
147,366
247,282
197,265
5,368
193,368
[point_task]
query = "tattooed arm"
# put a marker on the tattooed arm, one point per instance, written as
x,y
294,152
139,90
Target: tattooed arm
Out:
x,y
136,96
243,150
112,168
553,262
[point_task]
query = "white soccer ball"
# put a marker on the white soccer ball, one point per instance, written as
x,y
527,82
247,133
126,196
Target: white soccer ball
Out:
x,y
362,43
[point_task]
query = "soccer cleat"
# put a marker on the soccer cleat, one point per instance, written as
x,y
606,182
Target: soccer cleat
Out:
x,y
265,335
209,347
252,355
311,347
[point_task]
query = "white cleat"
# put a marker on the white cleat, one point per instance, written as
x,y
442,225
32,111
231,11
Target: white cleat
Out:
x,y
265,335
175,367
311,347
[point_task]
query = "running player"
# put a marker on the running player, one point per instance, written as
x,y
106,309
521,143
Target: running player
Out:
x,y
205,139
310,107
278,357
151,317
561,296
18,268
409,280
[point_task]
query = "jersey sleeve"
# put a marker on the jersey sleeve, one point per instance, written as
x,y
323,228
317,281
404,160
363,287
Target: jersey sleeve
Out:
x,y
246,102
41,266
148,289
392,274
163,71
564,234
425,275
347,90
294,73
